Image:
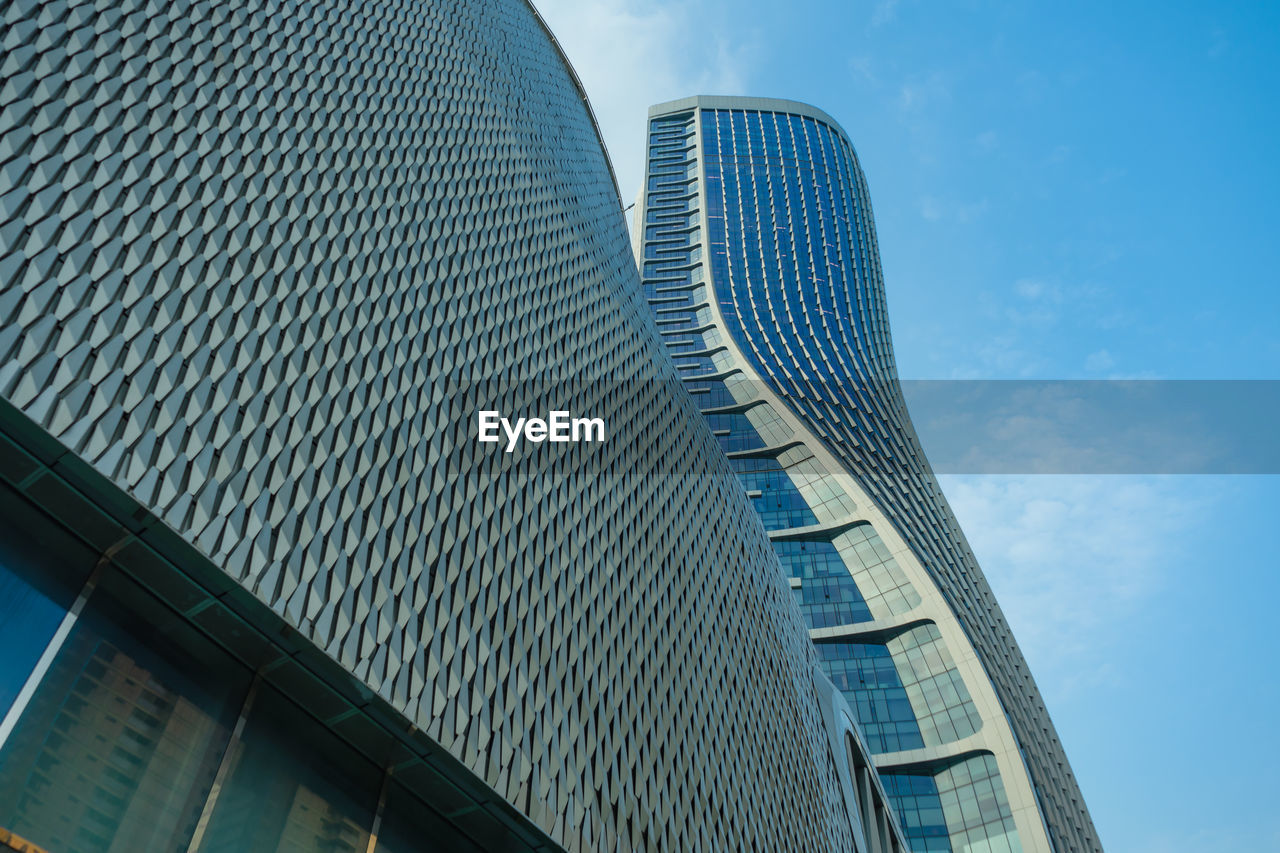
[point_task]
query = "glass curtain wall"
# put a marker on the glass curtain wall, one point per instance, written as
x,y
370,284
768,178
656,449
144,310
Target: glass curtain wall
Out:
x,y
774,184
119,716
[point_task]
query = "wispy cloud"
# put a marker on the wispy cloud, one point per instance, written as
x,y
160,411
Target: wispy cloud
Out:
x,y
1225,834
1034,305
1096,427
863,69
934,209
631,55
1035,290
1026,318
1032,85
1099,362
1037,304
921,92
1218,43
1070,558
1004,355
884,12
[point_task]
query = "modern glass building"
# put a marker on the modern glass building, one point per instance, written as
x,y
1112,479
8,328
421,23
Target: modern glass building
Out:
x,y
759,263
261,588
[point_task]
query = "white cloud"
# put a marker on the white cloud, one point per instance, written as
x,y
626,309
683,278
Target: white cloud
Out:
x,y
631,54
885,11
961,213
1226,833
861,65
1219,44
925,93
1026,320
1040,305
1059,154
1071,558
1099,361
1004,355
967,212
1034,289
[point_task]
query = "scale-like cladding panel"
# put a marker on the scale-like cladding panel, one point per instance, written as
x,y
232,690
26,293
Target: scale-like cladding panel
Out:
x,y
260,265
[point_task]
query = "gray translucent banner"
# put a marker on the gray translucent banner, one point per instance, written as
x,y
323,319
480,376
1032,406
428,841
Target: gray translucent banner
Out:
x,y
1098,427
966,426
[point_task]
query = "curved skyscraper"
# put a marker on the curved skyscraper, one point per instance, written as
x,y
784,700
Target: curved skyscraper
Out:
x,y
759,261
262,587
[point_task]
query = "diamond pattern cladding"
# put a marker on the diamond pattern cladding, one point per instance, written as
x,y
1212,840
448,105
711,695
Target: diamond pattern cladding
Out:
x,y
251,255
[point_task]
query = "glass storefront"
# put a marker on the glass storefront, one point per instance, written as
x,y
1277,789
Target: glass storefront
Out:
x,y
119,730
292,786
119,743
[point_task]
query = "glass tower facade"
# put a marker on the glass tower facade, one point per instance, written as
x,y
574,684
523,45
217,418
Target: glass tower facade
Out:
x,y
759,262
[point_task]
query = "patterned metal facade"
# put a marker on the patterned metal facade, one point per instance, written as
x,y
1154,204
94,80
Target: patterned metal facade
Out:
x,y
260,264
759,262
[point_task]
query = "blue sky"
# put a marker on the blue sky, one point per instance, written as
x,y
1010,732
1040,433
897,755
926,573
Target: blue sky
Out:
x,y
1061,191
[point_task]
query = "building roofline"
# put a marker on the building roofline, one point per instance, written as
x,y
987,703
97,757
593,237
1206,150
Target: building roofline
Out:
x,y
739,102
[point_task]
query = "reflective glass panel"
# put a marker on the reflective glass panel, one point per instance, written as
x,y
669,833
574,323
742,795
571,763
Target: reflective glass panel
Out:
x,y
293,786
41,572
118,747
28,620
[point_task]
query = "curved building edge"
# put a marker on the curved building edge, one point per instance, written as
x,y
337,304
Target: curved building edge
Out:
x,y
264,421
582,93
997,736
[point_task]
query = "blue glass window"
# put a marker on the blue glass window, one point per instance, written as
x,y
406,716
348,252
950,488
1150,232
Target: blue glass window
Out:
x,y
827,595
920,813
122,737
865,673
28,620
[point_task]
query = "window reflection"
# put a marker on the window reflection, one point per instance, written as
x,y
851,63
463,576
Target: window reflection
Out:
x,y
28,620
118,746
40,576
293,786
